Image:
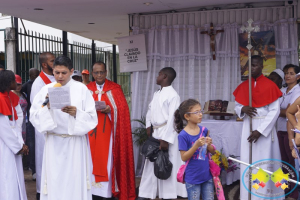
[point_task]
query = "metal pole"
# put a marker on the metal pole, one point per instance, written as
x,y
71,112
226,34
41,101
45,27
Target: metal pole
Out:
x,y
65,43
115,64
250,29
93,52
250,104
16,26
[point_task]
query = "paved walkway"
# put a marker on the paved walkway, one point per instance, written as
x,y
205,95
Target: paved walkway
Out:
x,y
31,187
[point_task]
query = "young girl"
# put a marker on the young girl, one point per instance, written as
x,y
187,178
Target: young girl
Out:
x,y
198,178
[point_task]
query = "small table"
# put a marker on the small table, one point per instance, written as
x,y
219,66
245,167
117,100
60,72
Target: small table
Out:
x,y
226,134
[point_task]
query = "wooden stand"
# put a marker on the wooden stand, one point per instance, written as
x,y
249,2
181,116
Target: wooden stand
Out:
x,y
221,115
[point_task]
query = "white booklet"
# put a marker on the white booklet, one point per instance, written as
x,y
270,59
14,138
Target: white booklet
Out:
x,y
100,105
59,97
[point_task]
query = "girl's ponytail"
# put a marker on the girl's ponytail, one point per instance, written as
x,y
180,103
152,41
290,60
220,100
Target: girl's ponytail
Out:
x,y
184,107
178,121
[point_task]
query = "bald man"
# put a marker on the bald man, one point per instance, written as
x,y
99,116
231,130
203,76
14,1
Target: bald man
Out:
x,y
46,77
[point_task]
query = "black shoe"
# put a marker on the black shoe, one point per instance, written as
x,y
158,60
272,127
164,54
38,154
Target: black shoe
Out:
x,y
141,198
94,197
37,196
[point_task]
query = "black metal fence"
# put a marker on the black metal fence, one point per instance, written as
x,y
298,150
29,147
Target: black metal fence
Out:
x,y
31,44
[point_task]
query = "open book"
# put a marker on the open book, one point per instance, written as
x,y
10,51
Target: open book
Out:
x,y
219,106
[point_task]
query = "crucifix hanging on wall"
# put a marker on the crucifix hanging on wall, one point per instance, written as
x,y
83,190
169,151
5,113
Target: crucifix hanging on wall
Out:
x,y
212,33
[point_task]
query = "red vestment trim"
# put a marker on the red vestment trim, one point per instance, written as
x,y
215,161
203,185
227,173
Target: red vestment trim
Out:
x,y
45,78
99,141
8,102
264,92
123,177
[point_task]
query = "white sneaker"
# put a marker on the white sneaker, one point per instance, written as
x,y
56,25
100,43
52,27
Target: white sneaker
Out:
x,y
34,176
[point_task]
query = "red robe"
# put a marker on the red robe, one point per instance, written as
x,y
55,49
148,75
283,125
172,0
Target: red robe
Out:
x,y
123,176
8,102
264,93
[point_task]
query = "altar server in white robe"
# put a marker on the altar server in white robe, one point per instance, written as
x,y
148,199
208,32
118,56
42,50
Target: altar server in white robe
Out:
x,y
46,60
161,115
12,186
66,159
264,113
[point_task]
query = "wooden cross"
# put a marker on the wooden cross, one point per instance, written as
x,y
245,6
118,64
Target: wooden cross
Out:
x,y
212,33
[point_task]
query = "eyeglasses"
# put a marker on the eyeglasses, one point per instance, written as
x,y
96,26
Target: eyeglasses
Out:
x,y
196,113
99,72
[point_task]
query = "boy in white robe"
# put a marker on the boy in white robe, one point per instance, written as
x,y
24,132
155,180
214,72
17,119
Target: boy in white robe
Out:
x,y
161,115
66,164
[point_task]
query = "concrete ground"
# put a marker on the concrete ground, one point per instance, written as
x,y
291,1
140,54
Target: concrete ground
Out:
x,y
31,185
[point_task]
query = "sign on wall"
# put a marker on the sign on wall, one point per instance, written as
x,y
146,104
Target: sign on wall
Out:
x,y
263,45
132,53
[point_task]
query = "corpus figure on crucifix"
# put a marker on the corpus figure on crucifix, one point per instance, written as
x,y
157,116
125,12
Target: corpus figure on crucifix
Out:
x,y
212,33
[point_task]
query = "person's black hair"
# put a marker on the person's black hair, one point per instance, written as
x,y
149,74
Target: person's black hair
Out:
x,y
63,60
44,57
170,72
2,67
6,79
259,58
295,67
184,107
99,63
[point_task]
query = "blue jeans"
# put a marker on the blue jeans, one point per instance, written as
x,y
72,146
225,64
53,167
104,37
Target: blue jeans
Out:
x,y
206,190
30,142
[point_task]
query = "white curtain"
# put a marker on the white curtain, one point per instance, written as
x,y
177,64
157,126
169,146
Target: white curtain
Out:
x,y
188,51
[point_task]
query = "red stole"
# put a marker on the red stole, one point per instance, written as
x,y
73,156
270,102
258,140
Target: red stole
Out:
x,y
99,139
8,102
264,93
45,78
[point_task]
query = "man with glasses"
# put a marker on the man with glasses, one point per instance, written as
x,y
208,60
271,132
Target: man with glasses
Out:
x,y
111,140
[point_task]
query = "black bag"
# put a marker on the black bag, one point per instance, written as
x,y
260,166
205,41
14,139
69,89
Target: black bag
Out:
x,y
163,166
150,148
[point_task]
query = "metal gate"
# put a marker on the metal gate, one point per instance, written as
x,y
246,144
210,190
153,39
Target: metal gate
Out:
x,y
32,44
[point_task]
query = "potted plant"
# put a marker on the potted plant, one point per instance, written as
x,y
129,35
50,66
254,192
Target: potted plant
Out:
x,y
140,136
140,133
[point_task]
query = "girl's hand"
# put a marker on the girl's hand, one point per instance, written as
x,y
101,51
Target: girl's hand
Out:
x,y
200,142
208,140
294,154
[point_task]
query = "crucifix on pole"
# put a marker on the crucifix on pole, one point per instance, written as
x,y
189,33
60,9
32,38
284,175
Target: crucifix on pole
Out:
x,y
212,34
248,30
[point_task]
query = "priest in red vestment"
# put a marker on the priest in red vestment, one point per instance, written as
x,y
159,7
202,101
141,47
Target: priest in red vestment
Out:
x,y
111,141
